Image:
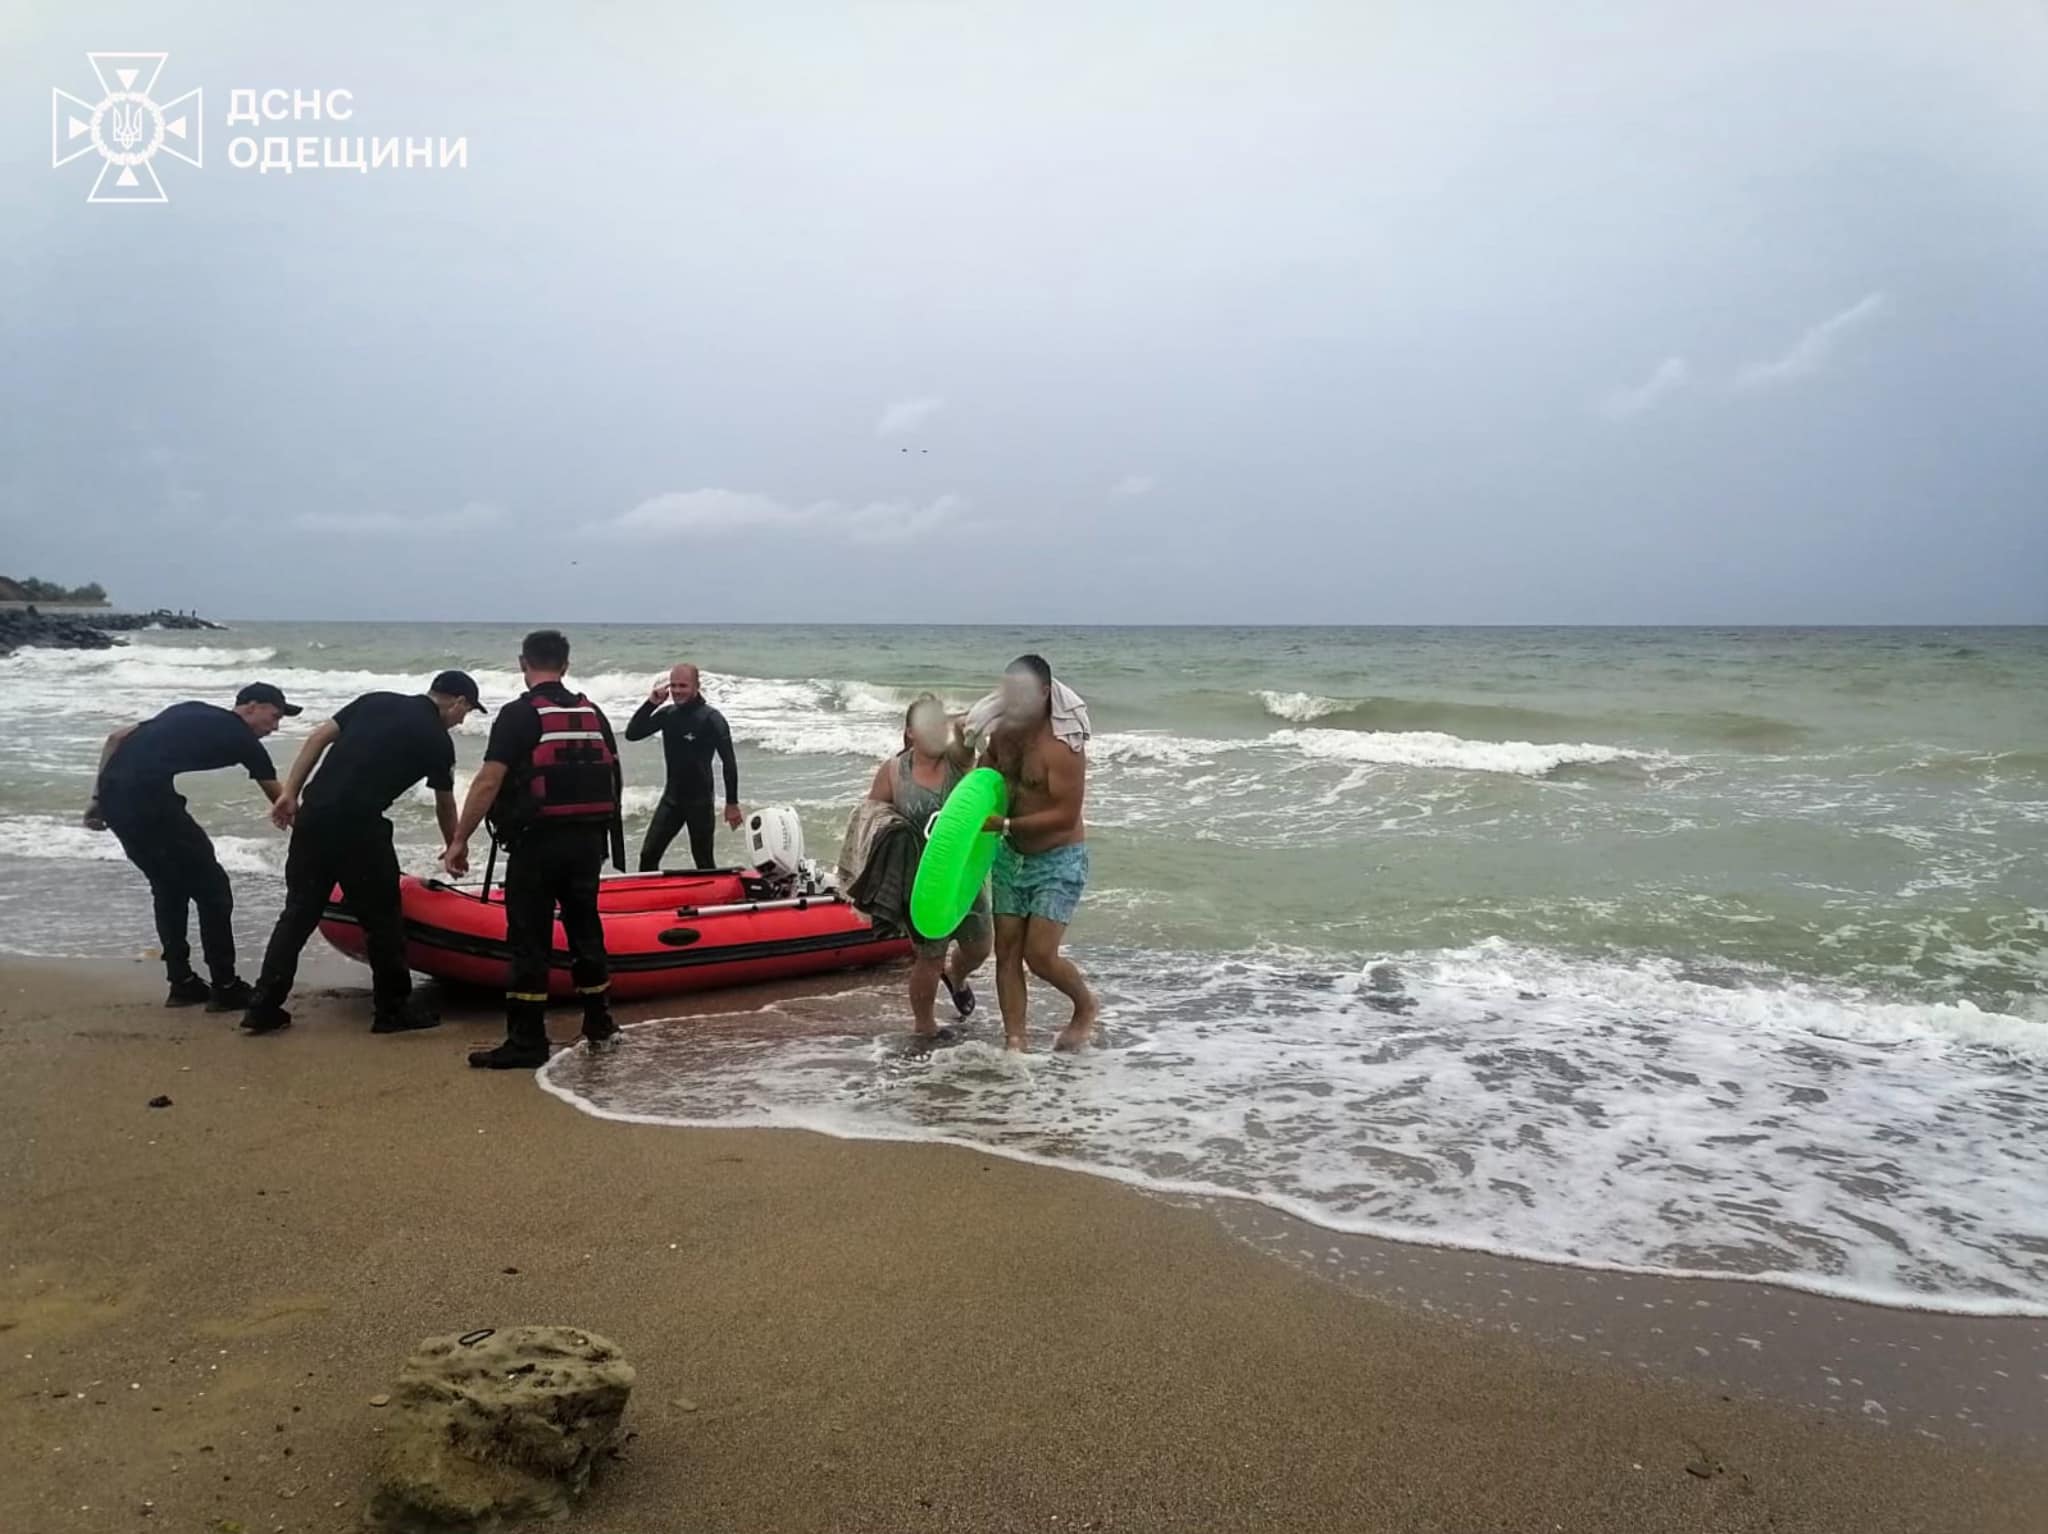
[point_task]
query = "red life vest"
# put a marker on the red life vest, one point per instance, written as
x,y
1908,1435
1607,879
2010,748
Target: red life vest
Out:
x,y
573,775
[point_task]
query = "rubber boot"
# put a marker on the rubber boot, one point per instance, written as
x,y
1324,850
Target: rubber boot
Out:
x,y
526,1040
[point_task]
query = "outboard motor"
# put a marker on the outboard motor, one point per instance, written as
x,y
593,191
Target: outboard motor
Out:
x,y
775,846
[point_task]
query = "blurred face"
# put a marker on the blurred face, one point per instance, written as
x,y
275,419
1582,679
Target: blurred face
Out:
x,y
930,731
1024,697
263,718
683,685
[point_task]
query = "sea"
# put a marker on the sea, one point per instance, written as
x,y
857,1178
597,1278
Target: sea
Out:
x,y
1687,951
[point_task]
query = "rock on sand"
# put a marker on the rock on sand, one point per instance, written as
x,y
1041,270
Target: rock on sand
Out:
x,y
498,1425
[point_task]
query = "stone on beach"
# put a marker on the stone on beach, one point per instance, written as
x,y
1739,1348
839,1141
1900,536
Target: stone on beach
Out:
x,y
503,1425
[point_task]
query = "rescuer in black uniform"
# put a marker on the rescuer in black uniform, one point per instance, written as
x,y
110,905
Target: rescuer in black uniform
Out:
x,y
550,785
137,799
369,753
692,733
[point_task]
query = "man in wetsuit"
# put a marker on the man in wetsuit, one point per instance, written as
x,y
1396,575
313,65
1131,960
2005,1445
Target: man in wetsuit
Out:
x,y
550,785
369,753
692,732
137,799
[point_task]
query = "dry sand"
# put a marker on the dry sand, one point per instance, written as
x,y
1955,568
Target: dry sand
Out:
x,y
199,1303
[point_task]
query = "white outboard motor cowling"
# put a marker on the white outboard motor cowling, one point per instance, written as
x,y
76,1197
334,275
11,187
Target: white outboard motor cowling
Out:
x,y
775,842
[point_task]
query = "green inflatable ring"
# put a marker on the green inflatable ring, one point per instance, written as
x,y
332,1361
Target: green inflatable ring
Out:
x,y
958,854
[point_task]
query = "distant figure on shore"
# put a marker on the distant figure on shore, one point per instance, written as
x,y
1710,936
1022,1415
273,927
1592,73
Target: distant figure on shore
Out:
x,y
136,798
692,733
551,787
917,781
1038,739
369,753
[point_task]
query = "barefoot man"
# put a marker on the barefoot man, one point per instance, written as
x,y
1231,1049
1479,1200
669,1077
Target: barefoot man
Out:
x,y
1043,865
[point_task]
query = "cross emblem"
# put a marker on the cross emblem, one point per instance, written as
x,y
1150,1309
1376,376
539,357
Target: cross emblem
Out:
x,y
127,127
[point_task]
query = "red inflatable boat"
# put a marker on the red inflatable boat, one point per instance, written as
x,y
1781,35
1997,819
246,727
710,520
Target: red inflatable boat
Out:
x,y
665,933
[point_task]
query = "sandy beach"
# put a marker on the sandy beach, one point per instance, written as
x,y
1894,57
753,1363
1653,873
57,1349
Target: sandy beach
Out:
x,y
200,1302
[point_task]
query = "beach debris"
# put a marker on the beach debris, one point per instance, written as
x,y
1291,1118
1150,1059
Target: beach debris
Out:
x,y
380,1400
498,1424
683,1403
159,1102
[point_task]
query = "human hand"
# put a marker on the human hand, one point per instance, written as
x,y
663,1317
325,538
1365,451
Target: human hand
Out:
x,y
284,811
660,694
734,815
92,820
455,859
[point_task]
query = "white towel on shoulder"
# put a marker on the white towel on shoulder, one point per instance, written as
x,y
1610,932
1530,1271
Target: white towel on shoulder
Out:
x,y
1069,716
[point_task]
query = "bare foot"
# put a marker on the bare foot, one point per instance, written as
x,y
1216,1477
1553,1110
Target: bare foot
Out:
x,y
1079,1033
1015,1043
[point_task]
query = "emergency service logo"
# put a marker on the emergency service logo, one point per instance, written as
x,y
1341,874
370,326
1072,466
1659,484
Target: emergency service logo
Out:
x,y
127,127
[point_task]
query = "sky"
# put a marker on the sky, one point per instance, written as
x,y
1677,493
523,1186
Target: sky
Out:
x,y
1259,312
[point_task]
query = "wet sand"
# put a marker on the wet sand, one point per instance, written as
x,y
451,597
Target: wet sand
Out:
x,y
198,1302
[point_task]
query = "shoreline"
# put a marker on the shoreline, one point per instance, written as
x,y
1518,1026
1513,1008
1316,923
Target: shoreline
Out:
x,y
828,1334
1949,1374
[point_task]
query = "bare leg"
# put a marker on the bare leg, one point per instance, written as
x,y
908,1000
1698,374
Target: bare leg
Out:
x,y
967,958
924,994
1010,993
1042,953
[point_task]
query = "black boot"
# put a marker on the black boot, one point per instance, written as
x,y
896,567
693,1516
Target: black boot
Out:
x,y
408,1016
231,996
264,1017
191,991
526,1041
600,1029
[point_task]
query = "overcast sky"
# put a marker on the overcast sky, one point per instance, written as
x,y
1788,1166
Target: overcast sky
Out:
x,y
1442,311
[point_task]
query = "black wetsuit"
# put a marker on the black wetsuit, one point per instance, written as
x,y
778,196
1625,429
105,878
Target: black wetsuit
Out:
x,y
143,808
691,736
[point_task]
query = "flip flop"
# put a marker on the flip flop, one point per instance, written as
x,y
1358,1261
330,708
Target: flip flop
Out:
x,y
963,996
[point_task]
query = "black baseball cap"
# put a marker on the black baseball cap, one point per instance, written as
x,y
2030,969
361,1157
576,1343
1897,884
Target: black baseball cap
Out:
x,y
263,692
458,684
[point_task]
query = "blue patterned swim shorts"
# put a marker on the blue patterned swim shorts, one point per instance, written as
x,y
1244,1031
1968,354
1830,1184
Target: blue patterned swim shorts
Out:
x,y
1046,884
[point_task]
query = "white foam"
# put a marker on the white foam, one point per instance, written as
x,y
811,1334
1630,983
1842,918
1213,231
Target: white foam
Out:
x,y
1432,748
1300,707
1499,1097
50,838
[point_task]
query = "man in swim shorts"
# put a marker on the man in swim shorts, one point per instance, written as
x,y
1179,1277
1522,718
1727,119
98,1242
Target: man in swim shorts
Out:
x,y
1043,865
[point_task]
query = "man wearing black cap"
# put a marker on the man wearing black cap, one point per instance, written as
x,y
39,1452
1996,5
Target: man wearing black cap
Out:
x,y
136,798
369,753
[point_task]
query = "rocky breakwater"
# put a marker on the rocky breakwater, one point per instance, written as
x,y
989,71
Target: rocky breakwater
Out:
x,y
25,626
19,629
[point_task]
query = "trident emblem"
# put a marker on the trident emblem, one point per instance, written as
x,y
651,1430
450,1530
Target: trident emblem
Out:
x,y
126,127
127,124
